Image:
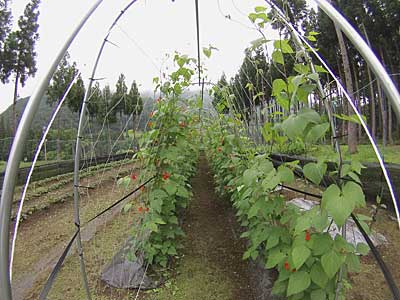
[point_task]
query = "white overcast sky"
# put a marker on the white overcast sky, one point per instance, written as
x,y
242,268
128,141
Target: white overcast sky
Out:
x,y
148,31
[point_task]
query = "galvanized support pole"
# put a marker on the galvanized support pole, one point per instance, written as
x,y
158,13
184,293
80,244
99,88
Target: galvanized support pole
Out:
x,y
15,157
78,151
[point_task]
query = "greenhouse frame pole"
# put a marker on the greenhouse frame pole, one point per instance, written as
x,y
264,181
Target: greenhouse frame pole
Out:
x,y
15,157
82,118
391,91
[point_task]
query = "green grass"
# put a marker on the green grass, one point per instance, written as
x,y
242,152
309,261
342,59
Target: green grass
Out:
x,y
26,164
195,280
365,153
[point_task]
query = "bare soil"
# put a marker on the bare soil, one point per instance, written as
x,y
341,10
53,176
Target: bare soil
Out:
x,y
211,266
43,236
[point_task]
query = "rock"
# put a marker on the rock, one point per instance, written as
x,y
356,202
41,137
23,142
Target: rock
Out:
x,y
126,274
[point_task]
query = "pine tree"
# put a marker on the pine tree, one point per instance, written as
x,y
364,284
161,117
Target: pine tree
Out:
x,y
134,103
60,82
19,55
5,27
119,98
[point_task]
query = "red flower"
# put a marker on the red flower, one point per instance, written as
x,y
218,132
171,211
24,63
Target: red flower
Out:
x,y
133,176
147,209
166,175
219,149
286,266
140,209
308,236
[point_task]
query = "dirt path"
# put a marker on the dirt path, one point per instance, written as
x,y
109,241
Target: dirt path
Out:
x,y
212,265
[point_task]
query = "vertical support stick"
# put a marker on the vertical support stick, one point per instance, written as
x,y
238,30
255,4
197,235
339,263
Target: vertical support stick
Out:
x,y
78,151
15,157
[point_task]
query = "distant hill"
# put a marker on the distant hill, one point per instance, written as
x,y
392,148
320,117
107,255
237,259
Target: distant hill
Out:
x,y
68,122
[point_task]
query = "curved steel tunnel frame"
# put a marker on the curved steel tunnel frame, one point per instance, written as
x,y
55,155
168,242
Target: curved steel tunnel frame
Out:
x,y
33,104
15,157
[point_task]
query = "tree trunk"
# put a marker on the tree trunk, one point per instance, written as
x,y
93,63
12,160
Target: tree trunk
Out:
x,y
58,139
357,98
383,114
383,106
372,103
14,115
351,127
390,124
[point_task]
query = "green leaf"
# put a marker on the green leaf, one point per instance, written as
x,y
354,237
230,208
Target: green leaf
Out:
x,y
362,248
253,17
285,174
320,221
207,52
274,258
297,80
301,68
159,220
171,187
318,275
331,263
337,206
279,288
313,76
310,115
254,209
299,255
277,57
320,69
302,223
156,204
314,172
317,132
278,85
294,127
351,118
152,227
260,9
356,166
183,192
353,192
353,263
318,295
298,282
321,244
249,177
273,240
284,46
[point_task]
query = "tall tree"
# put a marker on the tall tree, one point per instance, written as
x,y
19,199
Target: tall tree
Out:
x,y
19,55
134,102
62,78
5,26
119,97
